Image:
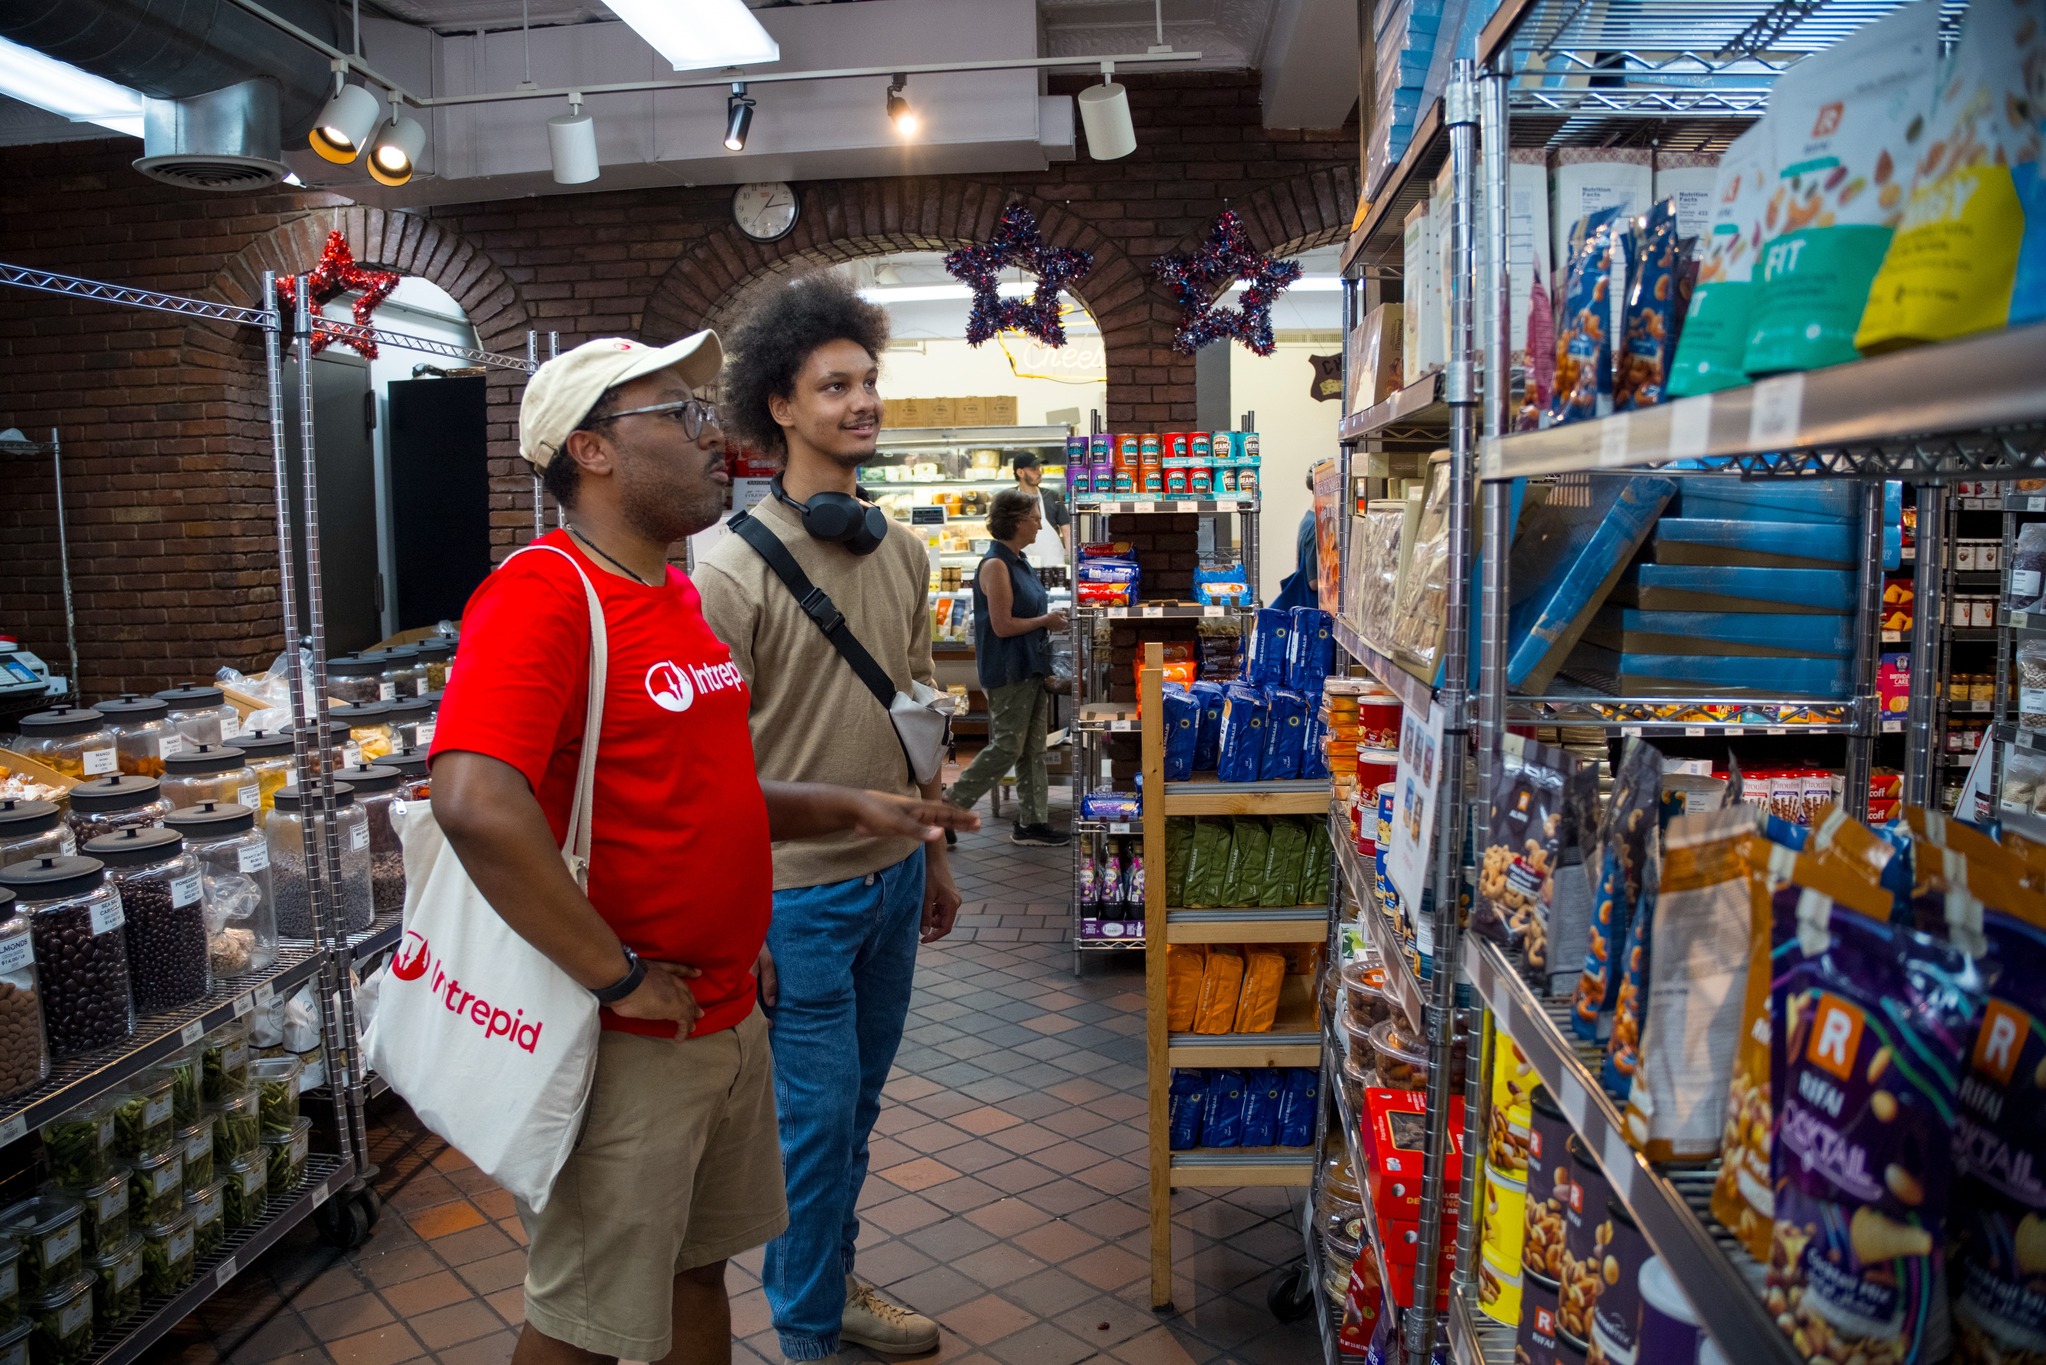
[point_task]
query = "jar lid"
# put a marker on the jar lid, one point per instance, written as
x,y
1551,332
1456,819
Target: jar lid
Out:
x,y
49,878
409,708
364,713
337,730
19,818
136,846
131,706
263,743
287,795
120,791
201,759
435,696
372,777
353,666
410,762
196,697
211,819
61,720
437,648
396,654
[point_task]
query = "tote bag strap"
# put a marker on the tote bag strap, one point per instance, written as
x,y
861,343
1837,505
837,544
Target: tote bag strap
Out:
x,y
576,849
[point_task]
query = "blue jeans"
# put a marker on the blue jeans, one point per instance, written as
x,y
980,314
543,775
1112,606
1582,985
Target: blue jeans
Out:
x,y
845,954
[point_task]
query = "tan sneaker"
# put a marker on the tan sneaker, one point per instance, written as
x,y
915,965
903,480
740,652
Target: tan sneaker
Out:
x,y
880,1324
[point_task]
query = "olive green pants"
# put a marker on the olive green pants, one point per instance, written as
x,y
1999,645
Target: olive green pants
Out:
x,y
1016,723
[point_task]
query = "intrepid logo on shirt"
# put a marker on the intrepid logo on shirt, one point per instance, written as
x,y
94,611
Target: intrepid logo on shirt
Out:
x,y
674,687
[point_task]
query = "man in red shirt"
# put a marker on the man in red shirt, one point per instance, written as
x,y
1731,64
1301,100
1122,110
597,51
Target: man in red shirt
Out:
x,y
678,1166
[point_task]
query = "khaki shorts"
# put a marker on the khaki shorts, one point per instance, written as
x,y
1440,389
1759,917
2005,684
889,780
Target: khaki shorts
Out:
x,y
678,1166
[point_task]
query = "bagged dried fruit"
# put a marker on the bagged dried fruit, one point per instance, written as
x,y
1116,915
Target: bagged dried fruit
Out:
x,y
1584,342
1715,332
1622,855
1872,1025
1850,122
1743,1197
1999,1232
1953,262
1641,367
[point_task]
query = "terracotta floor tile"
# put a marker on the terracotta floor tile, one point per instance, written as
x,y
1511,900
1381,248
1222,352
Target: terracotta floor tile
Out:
x,y
443,1219
491,1350
425,1294
988,1318
510,1304
904,1214
384,1346
985,1120
1055,1241
493,1273
920,1174
346,1317
460,1248
455,1324
1044,1344
1007,1217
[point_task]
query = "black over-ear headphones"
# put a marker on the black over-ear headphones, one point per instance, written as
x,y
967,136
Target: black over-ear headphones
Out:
x,y
840,518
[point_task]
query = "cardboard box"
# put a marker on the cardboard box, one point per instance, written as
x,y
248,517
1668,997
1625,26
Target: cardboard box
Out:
x,y
904,412
1394,1123
1001,410
22,765
941,412
1375,356
971,412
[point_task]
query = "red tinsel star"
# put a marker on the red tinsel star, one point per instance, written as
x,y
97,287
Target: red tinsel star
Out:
x,y
1198,282
335,275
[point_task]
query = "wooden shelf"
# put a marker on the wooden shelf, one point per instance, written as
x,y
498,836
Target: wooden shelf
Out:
x,y
1294,924
1228,1168
1293,1040
1208,795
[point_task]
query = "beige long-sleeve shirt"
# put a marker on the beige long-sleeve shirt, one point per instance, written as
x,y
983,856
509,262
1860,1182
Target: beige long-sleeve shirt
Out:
x,y
813,720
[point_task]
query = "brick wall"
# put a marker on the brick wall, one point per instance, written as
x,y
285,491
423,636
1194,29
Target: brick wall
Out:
x,y
165,421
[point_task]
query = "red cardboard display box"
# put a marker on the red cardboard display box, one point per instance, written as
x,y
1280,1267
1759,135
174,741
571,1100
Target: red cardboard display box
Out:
x,y
1395,1124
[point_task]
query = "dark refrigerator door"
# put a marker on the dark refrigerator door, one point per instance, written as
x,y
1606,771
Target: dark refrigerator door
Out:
x,y
440,497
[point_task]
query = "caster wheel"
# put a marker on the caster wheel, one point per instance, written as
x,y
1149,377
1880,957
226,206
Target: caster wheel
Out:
x,y
372,1205
343,1223
1291,1295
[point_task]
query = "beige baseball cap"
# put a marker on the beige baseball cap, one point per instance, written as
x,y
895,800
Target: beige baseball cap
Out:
x,y
562,391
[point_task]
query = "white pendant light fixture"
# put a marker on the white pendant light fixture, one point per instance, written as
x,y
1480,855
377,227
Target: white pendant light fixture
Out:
x,y
738,118
394,153
572,144
699,33
1105,114
899,111
344,126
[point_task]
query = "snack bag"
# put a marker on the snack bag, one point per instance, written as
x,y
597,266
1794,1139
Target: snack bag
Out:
x,y
1297,1106
1179,841
1182,725
1222,1117
1743,1197
1270,637
1951,266
1247,853
1311,651
1642,365
1184,965
1715,331
1314,746
1698,848
1556,953
1221,987
1630,824
1241,753
1998,1270
1525,835
1871,1029
1850,123
1188,1103
1208,736
1285,866
1263,1090
1285,735
1584,343
1264,972
1207,862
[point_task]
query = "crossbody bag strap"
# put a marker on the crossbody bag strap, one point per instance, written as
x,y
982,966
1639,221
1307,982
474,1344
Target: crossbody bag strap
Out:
x,y
817,605
581,811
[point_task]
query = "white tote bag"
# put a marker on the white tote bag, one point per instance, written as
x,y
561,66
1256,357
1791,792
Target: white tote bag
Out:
x,y
492,1045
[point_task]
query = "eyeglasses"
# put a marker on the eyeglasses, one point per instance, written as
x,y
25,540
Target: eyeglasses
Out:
x,y
693,413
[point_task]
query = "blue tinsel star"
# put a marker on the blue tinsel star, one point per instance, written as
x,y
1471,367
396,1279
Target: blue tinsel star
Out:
x,y
1198,282
1016,242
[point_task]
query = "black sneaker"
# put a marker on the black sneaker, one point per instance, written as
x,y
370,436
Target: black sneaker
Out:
x,y
1042,836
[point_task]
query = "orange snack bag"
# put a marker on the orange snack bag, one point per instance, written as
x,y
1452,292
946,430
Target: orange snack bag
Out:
x,y
1184,965
1221,986
1264,971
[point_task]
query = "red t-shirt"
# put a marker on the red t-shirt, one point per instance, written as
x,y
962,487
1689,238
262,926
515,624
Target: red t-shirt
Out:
x,y
680,865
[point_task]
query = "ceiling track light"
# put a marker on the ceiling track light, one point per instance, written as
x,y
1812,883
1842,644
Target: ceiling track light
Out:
x,y
738,118
572,144
899,113
344,126
1105,114
394,154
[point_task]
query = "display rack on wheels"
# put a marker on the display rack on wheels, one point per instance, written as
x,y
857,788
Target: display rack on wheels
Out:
x,y
1097,719
1968,409
333,1187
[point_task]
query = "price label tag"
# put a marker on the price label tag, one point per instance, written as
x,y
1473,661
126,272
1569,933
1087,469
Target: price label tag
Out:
x,y
1736,729
224,1272
321,1192
99,762
387,691
1143,507
184,890
1630,732
1212,611
2035,504
17,953
1574,1102
1776,412
192,1032
266,995
252,857
1690,427
1612,439
107,917
170,744
358,838
1694,731
244,1004
1152,612
13,1130
1619,1163
1777,730
250,796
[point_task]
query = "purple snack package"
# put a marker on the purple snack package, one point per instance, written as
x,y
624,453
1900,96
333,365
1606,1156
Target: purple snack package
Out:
x,y
1871,1028
1999,1233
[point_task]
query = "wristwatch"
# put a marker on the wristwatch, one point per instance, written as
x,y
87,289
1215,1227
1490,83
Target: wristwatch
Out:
x,y
635,972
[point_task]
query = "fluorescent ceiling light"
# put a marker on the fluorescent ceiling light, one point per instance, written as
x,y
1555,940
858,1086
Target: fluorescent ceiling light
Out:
x,y
63,89
700,33
938,293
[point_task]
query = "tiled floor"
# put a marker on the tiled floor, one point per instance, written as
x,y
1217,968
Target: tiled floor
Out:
x,y
1008,1198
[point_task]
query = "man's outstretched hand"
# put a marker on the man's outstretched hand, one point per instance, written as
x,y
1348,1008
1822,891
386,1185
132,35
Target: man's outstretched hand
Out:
x,y
879,815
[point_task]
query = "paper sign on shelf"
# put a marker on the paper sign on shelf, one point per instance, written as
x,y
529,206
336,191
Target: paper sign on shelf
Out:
x,y
1413,814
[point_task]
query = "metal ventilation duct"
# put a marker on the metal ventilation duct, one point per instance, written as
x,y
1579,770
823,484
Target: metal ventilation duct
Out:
x,y
225,139
171,49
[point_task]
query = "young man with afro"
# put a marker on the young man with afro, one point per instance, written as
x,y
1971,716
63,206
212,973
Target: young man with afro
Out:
x,y
801,384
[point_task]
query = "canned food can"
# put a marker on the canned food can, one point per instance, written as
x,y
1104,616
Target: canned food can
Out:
x,y
1499,1289
1505,1216
1616,1320
1536,1342
1079,472
1151,463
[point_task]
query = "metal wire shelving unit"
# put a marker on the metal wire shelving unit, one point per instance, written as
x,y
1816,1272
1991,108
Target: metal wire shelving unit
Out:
x,y
1679,75
335,1191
